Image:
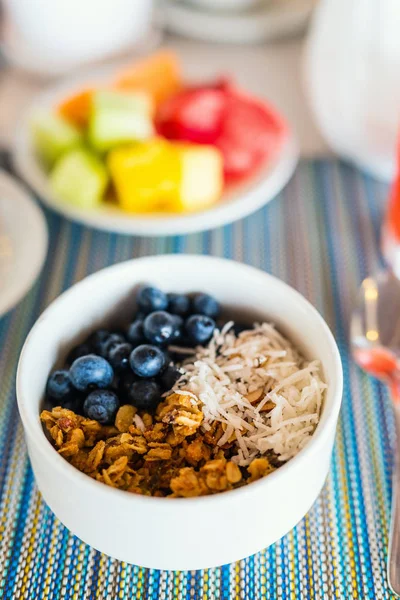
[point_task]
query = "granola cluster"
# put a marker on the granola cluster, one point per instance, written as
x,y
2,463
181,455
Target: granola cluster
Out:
x,y
165,454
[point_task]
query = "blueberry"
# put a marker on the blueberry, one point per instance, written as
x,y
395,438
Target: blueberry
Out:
x,y
135,333
150,299
170,377
78,351
147,361
101,405
159,327
118,356
75,404
178,328
200,328
145,394
98,338
114,339
90,372
178,304
59,387
203,304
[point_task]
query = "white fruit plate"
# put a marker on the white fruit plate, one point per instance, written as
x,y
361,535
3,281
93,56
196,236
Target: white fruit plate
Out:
x,y
23,242
235,203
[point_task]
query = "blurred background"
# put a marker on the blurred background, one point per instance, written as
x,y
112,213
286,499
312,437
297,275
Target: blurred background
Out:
x,y
260,42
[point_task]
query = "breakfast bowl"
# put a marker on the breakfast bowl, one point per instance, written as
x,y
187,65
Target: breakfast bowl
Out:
x,y
177,533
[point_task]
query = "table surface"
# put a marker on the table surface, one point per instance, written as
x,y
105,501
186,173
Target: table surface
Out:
x,y
321,236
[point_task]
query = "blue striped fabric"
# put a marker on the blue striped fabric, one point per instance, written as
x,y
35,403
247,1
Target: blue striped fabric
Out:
x,y
322,236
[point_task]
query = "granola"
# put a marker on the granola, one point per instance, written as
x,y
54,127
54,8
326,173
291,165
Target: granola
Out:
x,y
171,457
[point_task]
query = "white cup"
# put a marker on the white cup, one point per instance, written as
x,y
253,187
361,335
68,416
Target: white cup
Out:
x,y
55,36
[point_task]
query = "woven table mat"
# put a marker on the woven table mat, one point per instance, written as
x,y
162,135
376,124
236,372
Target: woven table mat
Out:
x,y
321,235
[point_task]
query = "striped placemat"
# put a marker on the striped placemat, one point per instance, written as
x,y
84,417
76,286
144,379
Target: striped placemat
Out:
x,y
321,236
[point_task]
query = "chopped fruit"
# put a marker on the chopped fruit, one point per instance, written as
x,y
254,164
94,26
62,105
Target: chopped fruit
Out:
x,y
194,115
53,136
159,75
119,117
80,179
145,176
246,130
76,108
158,175
201,180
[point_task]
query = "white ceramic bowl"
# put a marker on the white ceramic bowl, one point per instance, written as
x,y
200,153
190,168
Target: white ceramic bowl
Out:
x,y
177,533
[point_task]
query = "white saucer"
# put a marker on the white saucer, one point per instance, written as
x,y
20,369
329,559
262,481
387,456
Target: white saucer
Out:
x,y
23,242
260,23
235,203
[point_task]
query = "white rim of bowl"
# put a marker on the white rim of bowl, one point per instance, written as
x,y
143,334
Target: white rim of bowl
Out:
x,y
43,445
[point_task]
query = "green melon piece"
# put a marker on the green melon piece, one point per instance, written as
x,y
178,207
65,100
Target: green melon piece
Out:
x,y
119,118
53,136
79,178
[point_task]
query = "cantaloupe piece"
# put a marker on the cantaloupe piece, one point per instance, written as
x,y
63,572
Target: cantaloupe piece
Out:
x,y
76,108
159,75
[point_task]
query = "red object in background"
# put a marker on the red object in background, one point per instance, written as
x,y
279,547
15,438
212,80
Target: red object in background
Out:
x,y
392,219
247,131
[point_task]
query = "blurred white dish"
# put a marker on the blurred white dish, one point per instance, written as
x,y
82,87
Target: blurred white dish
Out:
x,y
50,38
235,203
263,22
23,242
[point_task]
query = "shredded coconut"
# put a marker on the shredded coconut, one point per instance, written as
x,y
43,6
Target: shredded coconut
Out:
x,y
231,367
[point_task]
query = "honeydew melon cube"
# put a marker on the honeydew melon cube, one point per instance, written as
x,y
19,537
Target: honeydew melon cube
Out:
x,y
53,136
79,178
118,118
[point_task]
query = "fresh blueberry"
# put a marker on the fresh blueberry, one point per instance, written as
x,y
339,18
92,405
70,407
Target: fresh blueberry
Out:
x,y
101,405
59,387
159,327
125,382
97,339
118,356
150,299
145,394
178,328
135,333
203,304
147,361
78,351
75,404
178,304
114,339
170,377
200,328
90,372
